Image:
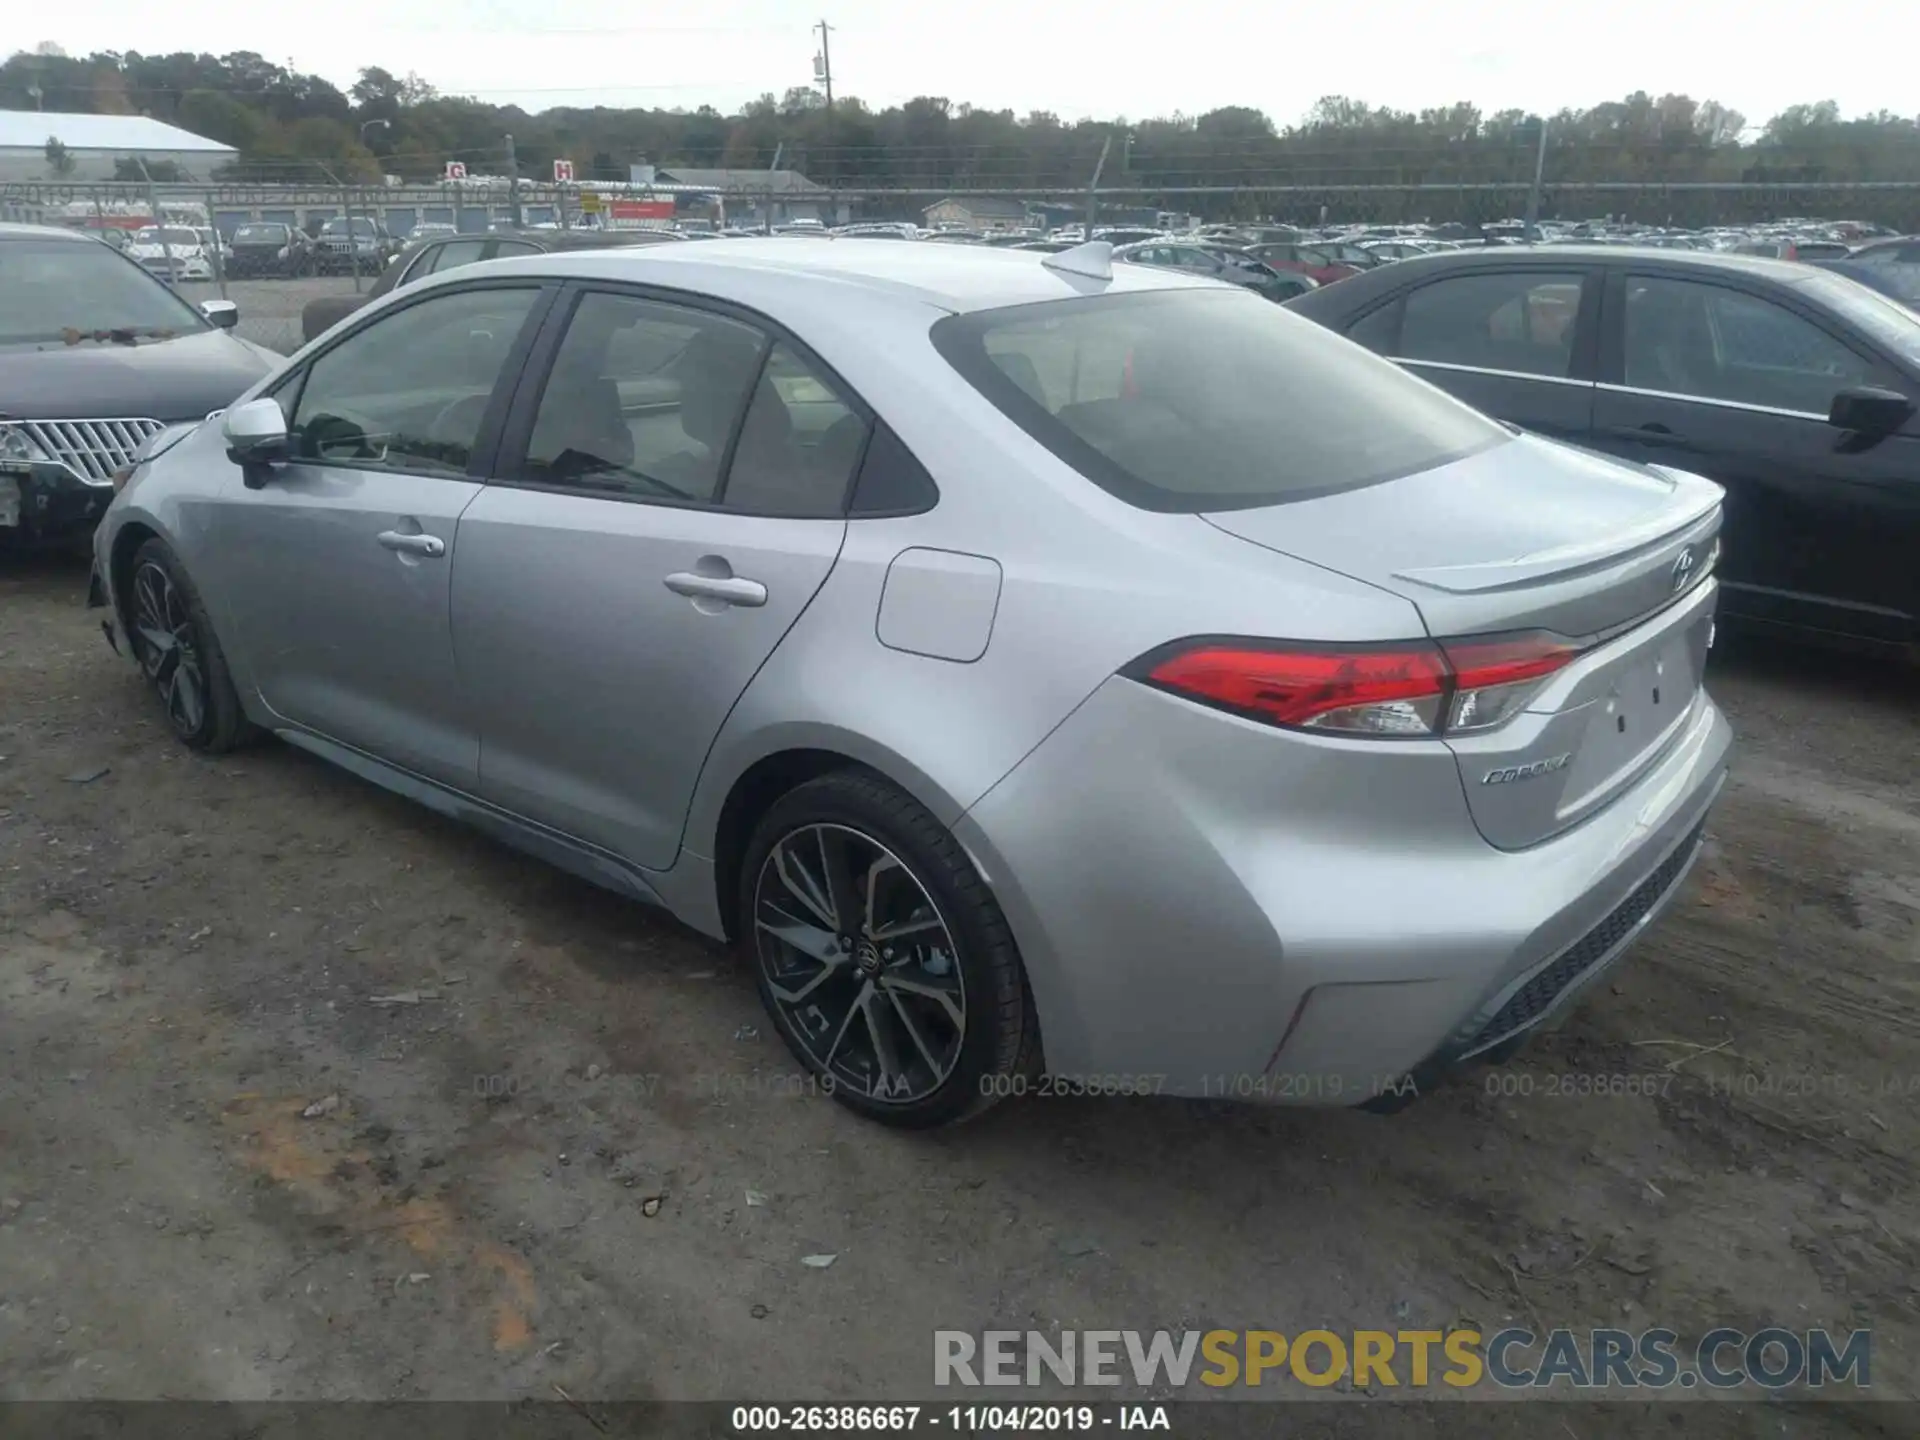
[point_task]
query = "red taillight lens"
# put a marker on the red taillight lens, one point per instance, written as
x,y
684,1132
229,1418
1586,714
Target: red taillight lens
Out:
x,y
1384,692
1416,689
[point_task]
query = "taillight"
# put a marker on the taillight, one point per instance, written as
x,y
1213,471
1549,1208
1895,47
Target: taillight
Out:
x,y
1417,689
1493,678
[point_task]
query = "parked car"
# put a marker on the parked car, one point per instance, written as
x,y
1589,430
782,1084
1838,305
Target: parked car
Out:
x,y
1901,282
1794,388
345,245
1316,261
1220,262
96,356
449,252
1028,662
1897,250
430,230
171,252
1127,234
268,247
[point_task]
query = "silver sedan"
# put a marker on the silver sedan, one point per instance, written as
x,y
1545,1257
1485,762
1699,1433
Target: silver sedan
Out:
x,y
1049,674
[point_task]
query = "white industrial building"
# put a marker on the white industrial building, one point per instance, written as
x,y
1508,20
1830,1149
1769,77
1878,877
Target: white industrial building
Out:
x,y
94,144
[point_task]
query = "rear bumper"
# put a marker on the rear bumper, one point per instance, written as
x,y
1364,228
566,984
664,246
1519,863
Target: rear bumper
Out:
x,y
1295,919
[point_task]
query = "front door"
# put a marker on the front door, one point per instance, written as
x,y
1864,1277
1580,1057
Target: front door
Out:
x,y
622,583
345,554
1821,526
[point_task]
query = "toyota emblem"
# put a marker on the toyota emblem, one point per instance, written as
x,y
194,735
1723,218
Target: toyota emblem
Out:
x,y
1683,564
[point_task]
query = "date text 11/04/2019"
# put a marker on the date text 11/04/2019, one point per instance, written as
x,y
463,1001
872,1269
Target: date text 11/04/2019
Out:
x,y
1305,1087
961,1419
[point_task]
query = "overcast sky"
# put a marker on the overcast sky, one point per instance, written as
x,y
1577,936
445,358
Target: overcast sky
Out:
x,y
1075,57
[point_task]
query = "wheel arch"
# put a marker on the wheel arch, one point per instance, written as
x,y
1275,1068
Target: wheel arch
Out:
x,y
127,541
732,798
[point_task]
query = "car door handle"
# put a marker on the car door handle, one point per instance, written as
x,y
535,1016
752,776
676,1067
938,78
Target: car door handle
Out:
x,y
429,545
729,590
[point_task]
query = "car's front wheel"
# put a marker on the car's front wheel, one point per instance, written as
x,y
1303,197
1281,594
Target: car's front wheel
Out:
x,y
881,955
174,643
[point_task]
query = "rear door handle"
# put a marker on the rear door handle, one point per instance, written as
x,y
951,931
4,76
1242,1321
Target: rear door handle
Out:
x,y
730,590
430,545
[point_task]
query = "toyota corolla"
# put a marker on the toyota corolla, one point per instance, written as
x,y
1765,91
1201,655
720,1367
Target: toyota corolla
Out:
x,y
1034,666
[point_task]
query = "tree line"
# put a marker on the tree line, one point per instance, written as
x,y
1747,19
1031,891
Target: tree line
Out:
x,y
288,125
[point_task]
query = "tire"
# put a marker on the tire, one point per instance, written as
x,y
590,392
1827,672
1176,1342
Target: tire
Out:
x,y
875,1023
173,642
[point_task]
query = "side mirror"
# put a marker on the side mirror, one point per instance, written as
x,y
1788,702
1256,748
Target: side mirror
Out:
x,y
256,435
1869,410
223,313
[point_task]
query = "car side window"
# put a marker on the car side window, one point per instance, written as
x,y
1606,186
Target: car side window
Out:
x,y
1715,343
1378,329
799,444
454,254
410,390
643,399
1522,321
504,248
892,479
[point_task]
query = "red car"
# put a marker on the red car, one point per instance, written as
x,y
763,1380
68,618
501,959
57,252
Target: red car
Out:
x,y
1325,260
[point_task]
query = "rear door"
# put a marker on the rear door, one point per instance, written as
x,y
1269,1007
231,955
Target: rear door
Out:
x,y
1516,343
671,497
1736,384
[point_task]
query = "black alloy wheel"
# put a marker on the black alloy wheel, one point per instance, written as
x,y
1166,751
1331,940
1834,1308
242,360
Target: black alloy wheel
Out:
x,y
881,956
173,641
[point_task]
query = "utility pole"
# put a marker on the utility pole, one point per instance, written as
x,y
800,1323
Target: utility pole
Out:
x,y
825,68
513,185
823,72
766,215
153,204
1093,187
1533,195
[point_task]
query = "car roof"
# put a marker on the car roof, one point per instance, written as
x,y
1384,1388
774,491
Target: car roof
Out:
x,y
1786,271
13,231
956,278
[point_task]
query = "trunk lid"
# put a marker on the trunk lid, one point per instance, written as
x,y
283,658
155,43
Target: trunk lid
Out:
x,y
1537,535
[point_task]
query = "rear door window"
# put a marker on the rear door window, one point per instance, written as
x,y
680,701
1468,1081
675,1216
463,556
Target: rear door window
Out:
x,y
1206,399
798,444
1521,321
643,400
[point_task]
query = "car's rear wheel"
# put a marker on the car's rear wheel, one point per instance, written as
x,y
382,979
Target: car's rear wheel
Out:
x,y
174,643
881,955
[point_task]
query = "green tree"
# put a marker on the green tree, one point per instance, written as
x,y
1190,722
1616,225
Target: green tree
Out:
x,y
59,161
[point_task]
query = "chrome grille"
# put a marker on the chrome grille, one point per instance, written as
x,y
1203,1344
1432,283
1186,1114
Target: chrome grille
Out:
x,y
93,449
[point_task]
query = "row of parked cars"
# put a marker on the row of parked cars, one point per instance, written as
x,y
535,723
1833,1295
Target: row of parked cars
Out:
x,y
257,249
904,614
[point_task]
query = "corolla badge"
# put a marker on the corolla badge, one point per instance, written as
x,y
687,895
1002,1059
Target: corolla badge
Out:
x,y
1684,564
1509,774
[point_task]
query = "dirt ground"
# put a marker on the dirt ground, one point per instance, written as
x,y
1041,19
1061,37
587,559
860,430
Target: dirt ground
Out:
x,y
559,1145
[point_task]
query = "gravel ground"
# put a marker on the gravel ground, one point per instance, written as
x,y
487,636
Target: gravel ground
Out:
x,y
555,1142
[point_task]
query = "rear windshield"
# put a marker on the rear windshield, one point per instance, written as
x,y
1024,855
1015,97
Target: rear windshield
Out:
x,y
1192,400
261,232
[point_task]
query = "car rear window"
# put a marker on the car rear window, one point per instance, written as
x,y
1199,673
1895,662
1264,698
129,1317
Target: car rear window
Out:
x,y
1194,400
